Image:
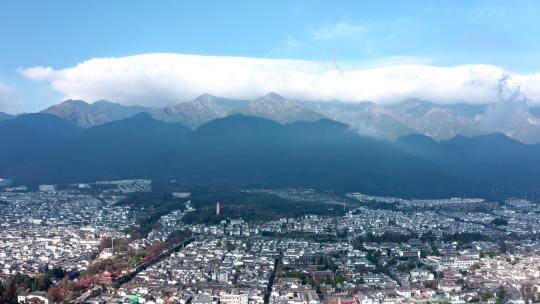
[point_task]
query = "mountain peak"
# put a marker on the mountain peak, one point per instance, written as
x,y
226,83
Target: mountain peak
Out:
x,y
273,95
413,105
87,115
205,97
274,100
280,109
200,110
73,102
67,107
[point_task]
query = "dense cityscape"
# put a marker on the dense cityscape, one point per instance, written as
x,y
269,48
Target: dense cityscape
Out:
x,y
80,243
269,152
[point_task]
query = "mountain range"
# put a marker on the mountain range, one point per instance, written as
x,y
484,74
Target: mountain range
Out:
x,y
199,111
87,115
241,151
515,119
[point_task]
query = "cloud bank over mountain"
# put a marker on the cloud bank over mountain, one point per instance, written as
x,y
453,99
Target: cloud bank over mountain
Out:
x,y
162,79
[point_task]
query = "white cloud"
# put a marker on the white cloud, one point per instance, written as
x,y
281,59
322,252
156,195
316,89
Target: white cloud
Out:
x,y
164,79
9,101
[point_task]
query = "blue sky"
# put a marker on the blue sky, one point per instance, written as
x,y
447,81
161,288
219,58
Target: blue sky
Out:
x,y
61,34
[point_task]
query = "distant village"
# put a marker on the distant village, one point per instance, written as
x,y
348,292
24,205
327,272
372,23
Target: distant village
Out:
x,y
75,244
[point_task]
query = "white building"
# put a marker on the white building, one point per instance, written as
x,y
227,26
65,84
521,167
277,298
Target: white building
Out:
x,y
228,298
40,296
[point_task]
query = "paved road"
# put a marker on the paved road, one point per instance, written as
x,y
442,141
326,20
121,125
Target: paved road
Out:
x,y
268,291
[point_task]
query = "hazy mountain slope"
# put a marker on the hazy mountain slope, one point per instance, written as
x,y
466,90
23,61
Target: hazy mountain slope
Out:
x,y
407,117
87,115
438,121
514,119
275,107
199,111
366,117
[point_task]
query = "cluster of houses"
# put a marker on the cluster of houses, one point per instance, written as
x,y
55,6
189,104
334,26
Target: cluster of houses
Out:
x,y
63,229
407,251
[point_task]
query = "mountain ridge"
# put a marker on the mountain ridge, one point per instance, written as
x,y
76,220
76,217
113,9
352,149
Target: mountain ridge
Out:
x,y
88,115
440,121
275,107
198,111
241,151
